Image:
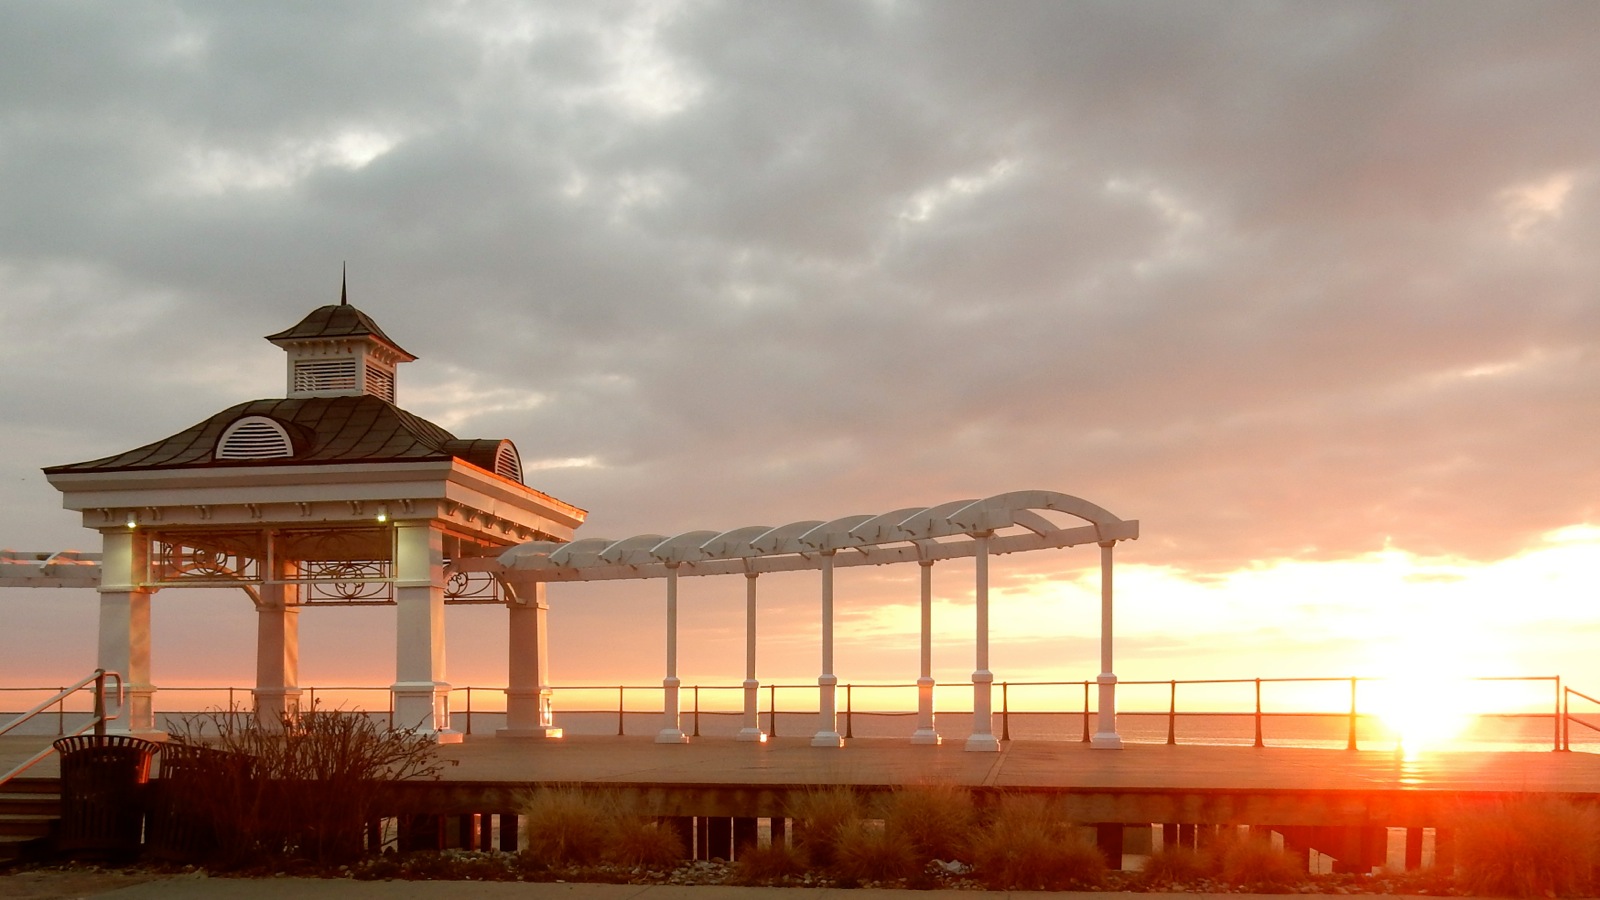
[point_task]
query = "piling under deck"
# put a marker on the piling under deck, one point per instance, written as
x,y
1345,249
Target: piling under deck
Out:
x,y
1139,784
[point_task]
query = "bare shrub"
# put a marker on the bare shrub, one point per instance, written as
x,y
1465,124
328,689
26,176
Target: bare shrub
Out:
x,y
756,864
936,820
1028,845
565,826
1528,848
867,851
820,815
303,789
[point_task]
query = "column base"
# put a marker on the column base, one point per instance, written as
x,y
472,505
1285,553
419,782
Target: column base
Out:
x,y
827,739
671,736
752,735
541,732
926,737
1106,741
448,736
983,743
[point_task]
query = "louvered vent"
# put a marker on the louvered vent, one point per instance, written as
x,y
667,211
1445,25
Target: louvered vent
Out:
x,y
324,375
380,382
506,462
254,437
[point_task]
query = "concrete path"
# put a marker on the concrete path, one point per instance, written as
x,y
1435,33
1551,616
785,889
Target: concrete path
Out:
x,y
189,887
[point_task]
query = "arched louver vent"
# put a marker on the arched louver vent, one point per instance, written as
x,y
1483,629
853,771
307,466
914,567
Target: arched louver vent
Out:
x,y
507,463
254,437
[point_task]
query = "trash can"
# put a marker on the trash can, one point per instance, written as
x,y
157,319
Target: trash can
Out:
x,y
102,777
189,797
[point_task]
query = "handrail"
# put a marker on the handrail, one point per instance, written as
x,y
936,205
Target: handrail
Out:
x,y
97,722
1565,724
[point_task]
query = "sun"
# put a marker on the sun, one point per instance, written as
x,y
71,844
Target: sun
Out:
x,y
1425,710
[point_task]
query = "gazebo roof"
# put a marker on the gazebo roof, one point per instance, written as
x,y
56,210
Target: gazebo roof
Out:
x,y
335,321
321,430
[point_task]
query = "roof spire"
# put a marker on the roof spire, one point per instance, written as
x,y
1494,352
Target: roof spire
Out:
x,y
344,299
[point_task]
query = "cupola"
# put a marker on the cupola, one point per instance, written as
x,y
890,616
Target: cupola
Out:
x,y
338,351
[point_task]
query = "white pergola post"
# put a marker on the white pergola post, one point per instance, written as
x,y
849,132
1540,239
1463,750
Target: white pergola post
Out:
x,y
827,683
421,695
1105,735
925,733
125,629
528,711
277,690
752,688
982,737
671,732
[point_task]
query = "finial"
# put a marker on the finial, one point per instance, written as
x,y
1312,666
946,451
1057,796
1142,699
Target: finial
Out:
x,y
344,299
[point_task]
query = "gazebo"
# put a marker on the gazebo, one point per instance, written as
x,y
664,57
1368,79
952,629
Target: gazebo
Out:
x,y
331,495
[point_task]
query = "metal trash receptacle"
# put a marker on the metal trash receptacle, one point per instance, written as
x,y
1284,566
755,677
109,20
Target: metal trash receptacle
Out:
x,y
102,778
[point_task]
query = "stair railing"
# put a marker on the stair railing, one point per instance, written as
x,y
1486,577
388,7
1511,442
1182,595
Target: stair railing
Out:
x,y
97,721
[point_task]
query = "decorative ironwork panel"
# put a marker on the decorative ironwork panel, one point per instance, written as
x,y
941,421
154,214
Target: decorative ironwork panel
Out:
x,y
369,581
339,565
472,587
186,557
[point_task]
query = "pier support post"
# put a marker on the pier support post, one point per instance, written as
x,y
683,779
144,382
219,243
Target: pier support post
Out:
x,y
1108,838
277,690
671,730
752,688
982,738
528,707
124,645
421,695
926,733
827,683
1105,735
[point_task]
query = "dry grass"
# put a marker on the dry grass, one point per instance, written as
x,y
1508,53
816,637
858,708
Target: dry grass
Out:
x,y
1253,864
641,841
1029,846
762,865
935,820
1174,866
1529,848
820,816
867,851
565,826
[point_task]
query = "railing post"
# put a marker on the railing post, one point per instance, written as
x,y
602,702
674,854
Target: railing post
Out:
x,y
61,714
468,729
772,710
620,708
100,702
849,712
1086,712
1258,713
1558,712
1566,720
697,710
1005,711
1352,744
1172,714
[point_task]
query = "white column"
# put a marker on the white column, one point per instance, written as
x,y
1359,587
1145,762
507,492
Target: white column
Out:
x,y
752,688
1105,735
277,690
827,683
124,645
528,711
982,737
671,732
925,733
421,695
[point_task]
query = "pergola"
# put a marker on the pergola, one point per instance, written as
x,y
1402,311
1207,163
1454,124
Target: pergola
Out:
x,y
979,529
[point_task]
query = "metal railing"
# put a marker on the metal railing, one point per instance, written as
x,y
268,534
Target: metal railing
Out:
x,y
97,721
1251,703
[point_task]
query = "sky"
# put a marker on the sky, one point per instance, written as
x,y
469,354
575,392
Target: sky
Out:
x,y
1309,289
